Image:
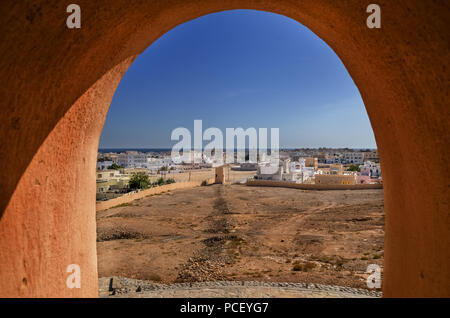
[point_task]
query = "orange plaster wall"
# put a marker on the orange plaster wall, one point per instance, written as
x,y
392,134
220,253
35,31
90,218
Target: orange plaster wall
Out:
x,y
57,85
50,221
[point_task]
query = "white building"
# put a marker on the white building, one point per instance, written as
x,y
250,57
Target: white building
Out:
x,y
287,171
330,159
155,164
370,169
132,159
354,157
102,165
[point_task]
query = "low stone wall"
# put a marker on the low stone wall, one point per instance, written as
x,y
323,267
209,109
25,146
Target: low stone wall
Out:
x,y
305,186
131,196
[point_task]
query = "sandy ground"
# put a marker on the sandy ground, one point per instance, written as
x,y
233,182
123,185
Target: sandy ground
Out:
x,y
235,232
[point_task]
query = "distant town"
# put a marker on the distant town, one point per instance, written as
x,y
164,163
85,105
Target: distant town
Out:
x,y
122,171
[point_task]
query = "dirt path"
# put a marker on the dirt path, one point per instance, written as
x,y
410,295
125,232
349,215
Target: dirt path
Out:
x,y
208,263
239,233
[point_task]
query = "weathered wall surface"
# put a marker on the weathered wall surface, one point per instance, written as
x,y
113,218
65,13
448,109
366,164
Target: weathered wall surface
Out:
x,y
54,96
50,221
129,197
305,186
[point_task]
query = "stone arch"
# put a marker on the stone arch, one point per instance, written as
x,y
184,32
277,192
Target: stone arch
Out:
x,y
59,84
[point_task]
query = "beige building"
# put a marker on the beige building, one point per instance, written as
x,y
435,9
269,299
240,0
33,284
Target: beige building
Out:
x,y
371,156
110,180
336,168
104,186
131,171
107,174
222,174
311,162
334,179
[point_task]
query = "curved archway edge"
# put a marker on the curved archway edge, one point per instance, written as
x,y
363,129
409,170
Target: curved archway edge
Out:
x,y
59,84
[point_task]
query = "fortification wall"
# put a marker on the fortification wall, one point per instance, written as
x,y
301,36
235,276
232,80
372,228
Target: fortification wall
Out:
x,y
129,197
304,186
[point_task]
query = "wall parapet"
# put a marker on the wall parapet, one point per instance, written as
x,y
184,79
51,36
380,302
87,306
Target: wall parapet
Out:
x,y
131,196
307,186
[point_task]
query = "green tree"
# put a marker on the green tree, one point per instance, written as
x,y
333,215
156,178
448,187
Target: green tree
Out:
x,y
115,166
170,180
159,182
139,181
354,168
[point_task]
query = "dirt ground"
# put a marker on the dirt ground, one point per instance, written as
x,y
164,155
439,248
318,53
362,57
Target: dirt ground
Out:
x,y
236,232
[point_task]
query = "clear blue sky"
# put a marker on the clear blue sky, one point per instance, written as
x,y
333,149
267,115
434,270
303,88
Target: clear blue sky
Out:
x,y
238,68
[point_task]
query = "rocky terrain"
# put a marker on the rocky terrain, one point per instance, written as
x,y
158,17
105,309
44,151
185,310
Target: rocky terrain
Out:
x,y
239,233
126,287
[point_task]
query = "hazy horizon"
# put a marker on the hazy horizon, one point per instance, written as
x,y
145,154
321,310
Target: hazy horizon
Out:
x,y
108,149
